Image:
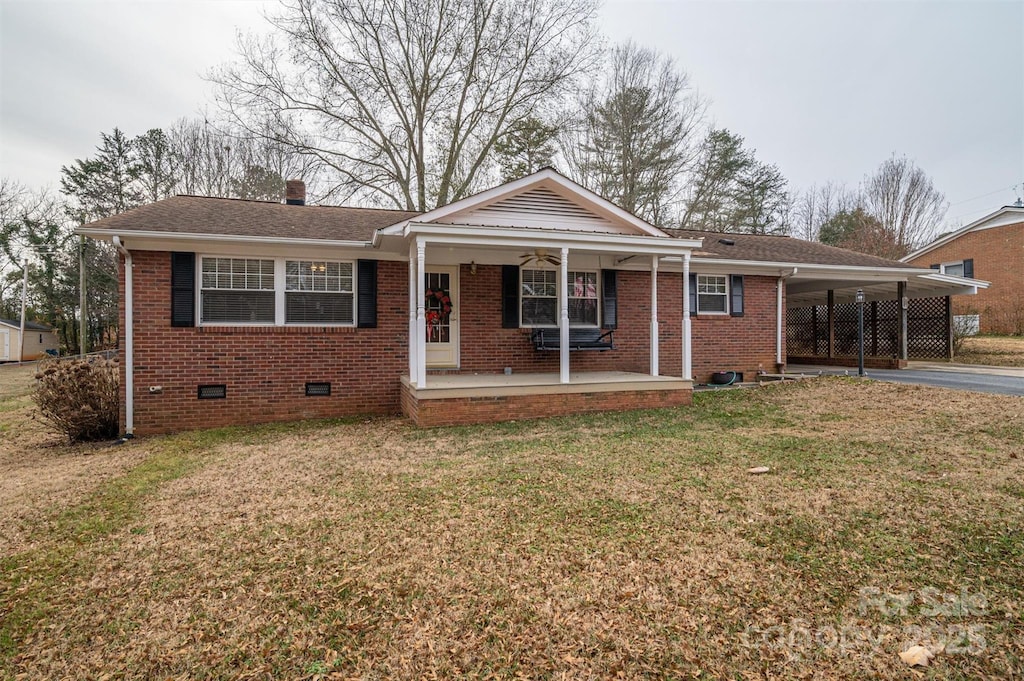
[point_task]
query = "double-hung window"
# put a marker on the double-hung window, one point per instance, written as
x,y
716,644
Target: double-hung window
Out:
x,y
252,290
712,294
539,296
582,298
319,292
237,290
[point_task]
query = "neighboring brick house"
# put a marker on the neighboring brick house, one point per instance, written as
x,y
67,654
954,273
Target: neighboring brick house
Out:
x,y
534,298
990,249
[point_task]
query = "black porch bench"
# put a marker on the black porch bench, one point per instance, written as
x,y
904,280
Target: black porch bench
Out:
x,y
579,339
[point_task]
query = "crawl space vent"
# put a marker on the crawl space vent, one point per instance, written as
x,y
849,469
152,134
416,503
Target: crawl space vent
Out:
x,y
318,389
213,392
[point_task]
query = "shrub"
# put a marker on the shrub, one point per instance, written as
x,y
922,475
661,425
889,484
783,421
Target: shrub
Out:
x,y
79,397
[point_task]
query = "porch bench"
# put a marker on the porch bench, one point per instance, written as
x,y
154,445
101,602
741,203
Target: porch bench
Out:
x,y
579,339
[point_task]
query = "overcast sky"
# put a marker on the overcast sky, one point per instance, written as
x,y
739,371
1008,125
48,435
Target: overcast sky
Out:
x,y
826,90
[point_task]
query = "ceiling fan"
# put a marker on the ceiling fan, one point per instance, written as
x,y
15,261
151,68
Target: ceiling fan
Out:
x,y
539,255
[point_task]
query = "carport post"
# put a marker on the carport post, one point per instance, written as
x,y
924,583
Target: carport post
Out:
x,y
831,323
904,305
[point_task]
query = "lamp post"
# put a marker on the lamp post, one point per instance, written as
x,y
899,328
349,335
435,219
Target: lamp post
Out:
x,y
860,332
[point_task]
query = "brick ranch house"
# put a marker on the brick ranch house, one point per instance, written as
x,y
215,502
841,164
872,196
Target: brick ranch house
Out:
x,y
534,298
993,249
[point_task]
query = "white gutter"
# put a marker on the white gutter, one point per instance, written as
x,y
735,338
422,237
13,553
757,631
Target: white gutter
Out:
x,y
193,236
779,314
129,341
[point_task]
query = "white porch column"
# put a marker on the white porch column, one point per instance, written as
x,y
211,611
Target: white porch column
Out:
x,y
654,315
687,352
413,375
563,319
421,315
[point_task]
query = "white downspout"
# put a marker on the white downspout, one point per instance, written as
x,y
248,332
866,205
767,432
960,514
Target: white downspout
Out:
x,y
129,342
780,314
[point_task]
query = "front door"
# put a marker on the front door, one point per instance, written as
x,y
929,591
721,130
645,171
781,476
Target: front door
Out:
x,y
441,303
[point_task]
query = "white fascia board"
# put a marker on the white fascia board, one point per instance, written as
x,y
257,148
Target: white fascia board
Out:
x,y
546,175
977,224
955,280
133,235
477,235
809,270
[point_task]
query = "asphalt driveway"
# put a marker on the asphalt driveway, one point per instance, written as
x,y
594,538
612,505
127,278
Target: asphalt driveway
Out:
x,y
999,380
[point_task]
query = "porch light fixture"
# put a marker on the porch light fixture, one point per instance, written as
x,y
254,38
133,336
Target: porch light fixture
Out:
x,y
472,267
860,332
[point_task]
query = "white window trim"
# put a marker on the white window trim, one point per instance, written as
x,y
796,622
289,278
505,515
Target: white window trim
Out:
x,y
597,299
558,276
727,294
943,266
279,293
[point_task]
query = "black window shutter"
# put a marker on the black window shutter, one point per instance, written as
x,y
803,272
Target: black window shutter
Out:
x,y
183,289
367,284
609,299
736,309
509,297
693,295
969,268
934,267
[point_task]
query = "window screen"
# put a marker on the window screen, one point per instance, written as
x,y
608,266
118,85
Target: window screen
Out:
x,y
238,290
319,292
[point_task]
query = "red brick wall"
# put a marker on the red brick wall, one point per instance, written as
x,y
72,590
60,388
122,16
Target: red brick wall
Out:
x,y
998,255
488,348
747,343
466,410
265,368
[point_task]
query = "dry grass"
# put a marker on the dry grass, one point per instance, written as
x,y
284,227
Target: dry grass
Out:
x,y
1006,351
631,546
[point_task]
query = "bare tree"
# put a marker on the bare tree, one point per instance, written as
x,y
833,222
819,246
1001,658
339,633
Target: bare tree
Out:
x,y
636,137
818,204
157,164
905,201
404,101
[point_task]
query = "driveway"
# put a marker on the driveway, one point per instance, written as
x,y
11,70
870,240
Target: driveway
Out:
x,y
982,379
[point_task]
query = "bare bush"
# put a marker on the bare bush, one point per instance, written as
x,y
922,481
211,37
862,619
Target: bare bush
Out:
x,y
79,397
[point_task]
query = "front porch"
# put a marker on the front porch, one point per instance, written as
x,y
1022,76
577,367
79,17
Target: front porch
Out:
x,y
458,399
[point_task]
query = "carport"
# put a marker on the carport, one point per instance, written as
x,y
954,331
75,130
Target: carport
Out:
x,y
907,315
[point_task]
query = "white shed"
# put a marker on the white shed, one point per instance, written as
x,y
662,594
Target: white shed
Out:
x,y
39,338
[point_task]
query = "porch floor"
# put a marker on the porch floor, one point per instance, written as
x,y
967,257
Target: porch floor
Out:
x,y
497,385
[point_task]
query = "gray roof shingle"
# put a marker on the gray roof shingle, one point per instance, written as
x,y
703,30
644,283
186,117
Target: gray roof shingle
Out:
x,y
784,249
237,217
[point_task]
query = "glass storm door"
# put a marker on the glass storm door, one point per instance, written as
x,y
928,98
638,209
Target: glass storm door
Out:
x,y
442,316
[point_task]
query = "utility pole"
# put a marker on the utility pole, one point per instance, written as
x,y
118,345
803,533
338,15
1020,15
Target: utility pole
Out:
x,y
24,299
82,326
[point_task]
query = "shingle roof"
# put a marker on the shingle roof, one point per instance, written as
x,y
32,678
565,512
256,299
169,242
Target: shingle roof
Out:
x,y
29,326
237,217
783,249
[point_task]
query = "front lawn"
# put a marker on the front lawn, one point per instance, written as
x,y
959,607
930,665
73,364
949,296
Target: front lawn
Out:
x,y
1006,351
632,545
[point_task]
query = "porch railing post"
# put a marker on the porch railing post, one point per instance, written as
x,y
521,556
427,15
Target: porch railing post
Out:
x,y
563,319
421,315
413,373
687,353
654,316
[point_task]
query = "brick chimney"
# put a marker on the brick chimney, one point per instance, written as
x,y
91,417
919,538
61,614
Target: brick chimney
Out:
x,y
295,193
